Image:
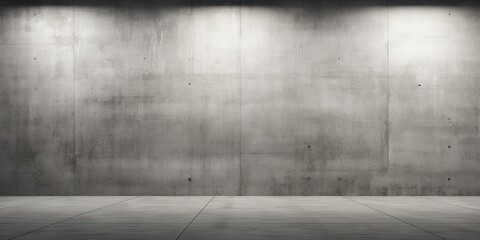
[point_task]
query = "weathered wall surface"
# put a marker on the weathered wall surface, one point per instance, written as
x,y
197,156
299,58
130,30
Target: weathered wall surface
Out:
x,y
239,98
434,100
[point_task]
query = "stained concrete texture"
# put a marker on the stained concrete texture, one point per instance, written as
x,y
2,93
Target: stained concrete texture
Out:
x,y
240,217
239,97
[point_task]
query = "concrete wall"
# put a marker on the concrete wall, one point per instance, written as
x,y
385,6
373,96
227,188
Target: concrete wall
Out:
x,y
227,97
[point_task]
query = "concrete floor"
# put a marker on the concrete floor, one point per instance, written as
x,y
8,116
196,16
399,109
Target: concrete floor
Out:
x,y
239,217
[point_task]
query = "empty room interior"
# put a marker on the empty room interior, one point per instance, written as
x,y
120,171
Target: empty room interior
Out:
x,y
240,119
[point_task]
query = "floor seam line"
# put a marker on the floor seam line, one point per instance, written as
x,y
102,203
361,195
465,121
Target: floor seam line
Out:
x,y
449,204
185,229
396,218
31,202
78,215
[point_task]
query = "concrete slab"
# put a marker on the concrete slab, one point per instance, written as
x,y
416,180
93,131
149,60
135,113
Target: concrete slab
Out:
x,y
304,231
418,210
314,99
278,97
15,201
108,231
309,174
465,201
157,101
11,230
52,211
273,210
36,121
169,210
434,102
240,218
464,231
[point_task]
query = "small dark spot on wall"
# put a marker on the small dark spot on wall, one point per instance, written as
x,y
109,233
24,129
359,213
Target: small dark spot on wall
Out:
x,y
34,58
273,178
189,179
308,178
449,119
144,58
449,14
189,83
339,58
449,146
448,179
339,179
419,85
308,146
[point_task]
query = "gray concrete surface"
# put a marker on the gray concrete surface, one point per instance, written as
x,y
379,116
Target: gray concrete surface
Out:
x,y
240,217
239,97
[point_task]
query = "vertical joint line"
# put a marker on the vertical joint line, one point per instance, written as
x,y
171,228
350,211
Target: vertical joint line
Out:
x,y
74,72
240,97
388,92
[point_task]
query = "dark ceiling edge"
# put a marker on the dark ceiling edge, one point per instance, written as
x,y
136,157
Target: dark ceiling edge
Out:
x,y
272,3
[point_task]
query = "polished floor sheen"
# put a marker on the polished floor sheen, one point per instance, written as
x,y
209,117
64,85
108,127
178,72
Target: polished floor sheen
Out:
x,y
239,217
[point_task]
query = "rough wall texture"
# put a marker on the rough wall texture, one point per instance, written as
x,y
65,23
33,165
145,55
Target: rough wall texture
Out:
x,y
229,97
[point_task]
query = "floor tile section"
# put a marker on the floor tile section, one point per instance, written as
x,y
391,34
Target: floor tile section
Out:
x,y
454,231
419,210
16,201
304,231
466,202
48,212
71,218
148,210
289,210
107,231
9,230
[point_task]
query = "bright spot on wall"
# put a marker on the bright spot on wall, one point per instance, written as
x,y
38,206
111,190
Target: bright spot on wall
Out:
x,y
419,33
